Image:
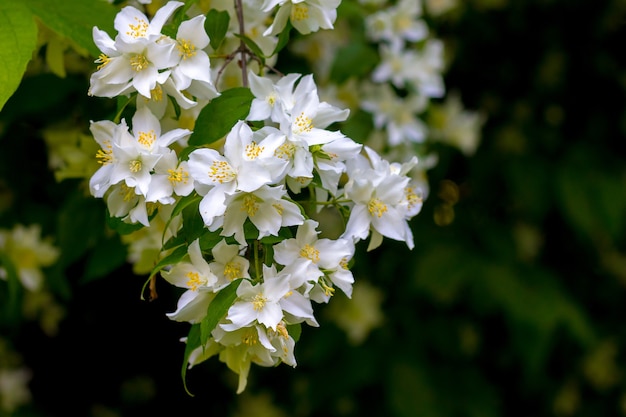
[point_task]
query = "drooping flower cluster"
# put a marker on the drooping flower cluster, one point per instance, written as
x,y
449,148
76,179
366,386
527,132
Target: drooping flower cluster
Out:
x,y
236,213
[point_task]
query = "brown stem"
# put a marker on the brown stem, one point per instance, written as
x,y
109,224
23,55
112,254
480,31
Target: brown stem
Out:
x,y
242,45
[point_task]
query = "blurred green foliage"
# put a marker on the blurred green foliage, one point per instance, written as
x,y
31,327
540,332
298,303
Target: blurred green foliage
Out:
x,y
510,304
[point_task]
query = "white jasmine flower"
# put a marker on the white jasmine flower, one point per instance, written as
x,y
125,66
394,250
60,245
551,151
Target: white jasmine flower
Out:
x,y
29,253
398,24
227,263
306,16
398,116
196,276
194,63
257,303
266,208
132,25
245,166
272,100
378,195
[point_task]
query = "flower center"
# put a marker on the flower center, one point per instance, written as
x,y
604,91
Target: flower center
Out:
x,y
194,280
186,48
232,270
250,204
309,252
139,62
146,138
139,30
285,151
135,165
253,150
178,175
303,124
221,171
299,12
376,207
258,302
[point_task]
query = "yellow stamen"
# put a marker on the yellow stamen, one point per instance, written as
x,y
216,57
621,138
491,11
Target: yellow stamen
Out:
x,y
376,207
139,30
135,165
258,302
186,49
299,11
139,62
250,204
309,252
303,124
146,138
194,280
221,171
285,151
102,60
253,150
232,270
105,156
178,175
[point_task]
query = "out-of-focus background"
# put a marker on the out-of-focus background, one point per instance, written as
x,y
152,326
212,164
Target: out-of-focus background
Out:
x,y
510,304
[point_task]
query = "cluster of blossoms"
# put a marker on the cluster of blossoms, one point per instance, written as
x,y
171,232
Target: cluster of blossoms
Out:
x,y
237,215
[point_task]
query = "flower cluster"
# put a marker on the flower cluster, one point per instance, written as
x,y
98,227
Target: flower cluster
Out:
x,y
237,212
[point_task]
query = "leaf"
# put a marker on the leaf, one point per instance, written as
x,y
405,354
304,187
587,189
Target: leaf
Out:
x,y
216,26
218,309
283,38
176,256
75,19
219,116
294,330
109,255
11,306
18,39
120,226
193,342
253,47
354,60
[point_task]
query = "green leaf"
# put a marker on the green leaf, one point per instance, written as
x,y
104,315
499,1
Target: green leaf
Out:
x,y
120,226
109,255
218,309
176,256
283,38
18,39
193,224
253,47
11,306
75,19
216,26
193,342
294,330
354,60
219,116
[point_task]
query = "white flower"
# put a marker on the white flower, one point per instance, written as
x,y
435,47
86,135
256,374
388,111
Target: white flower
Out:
x,y
398,116
257,303
397,24
266,208
125,202
306,16
132,25
196,276
170,177
227,263
245,166
306,257
194,63
272,100
28,252
378,196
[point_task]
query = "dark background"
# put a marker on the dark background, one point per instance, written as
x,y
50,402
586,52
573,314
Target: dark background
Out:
x,y
514,309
